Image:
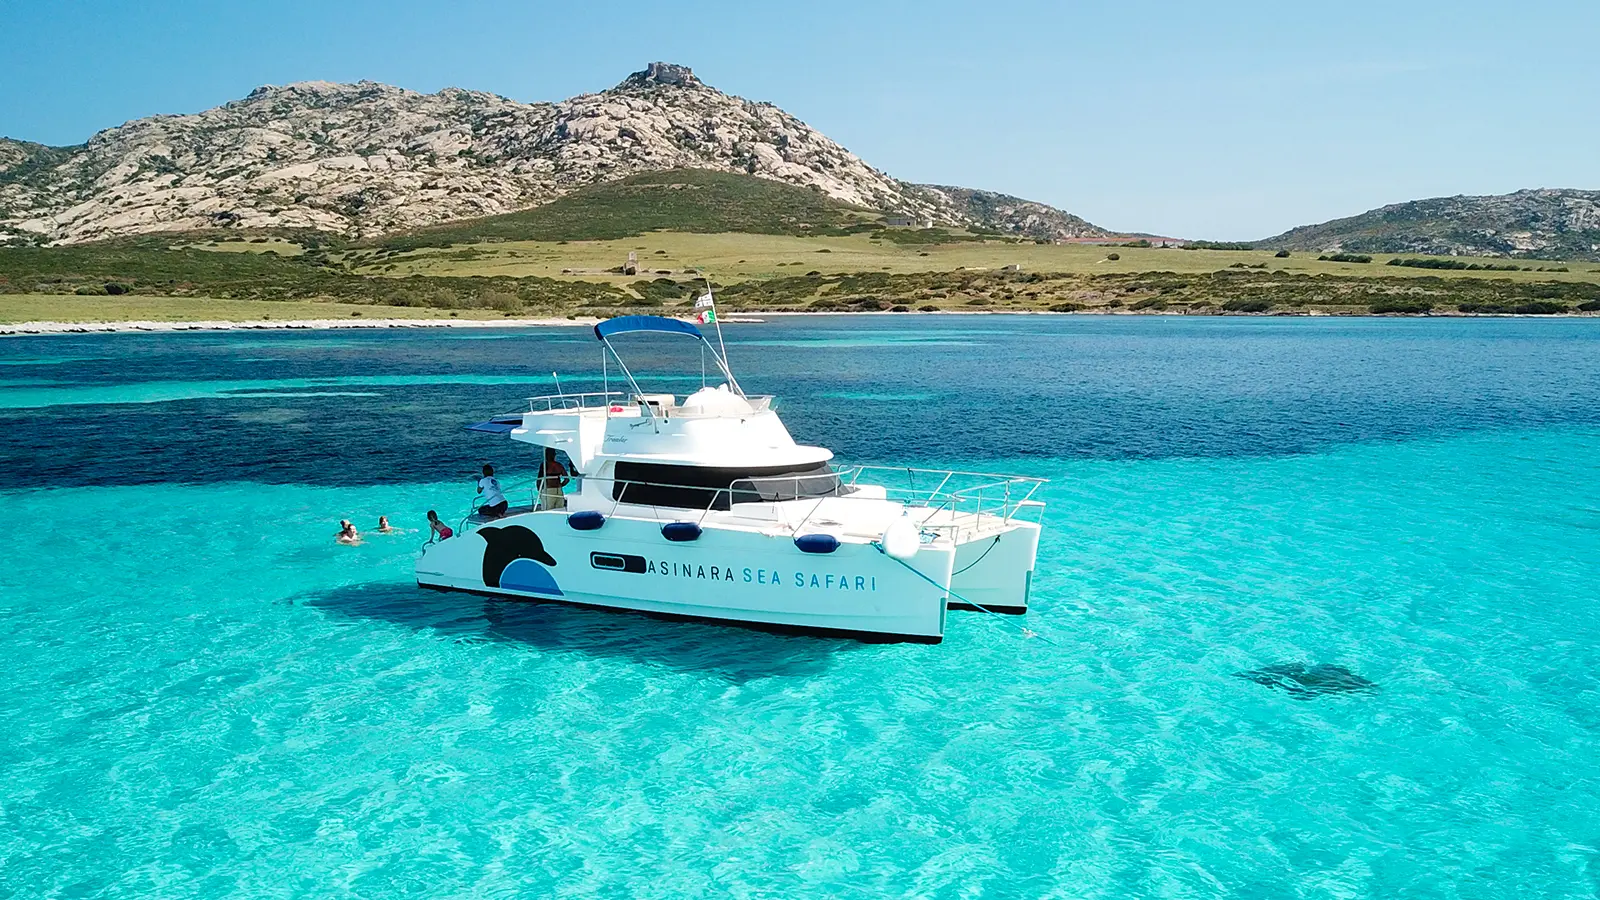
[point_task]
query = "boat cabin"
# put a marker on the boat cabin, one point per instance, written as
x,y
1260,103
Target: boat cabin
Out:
x,y
707,450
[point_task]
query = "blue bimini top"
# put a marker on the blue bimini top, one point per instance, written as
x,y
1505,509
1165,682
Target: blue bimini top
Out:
x,y
629,324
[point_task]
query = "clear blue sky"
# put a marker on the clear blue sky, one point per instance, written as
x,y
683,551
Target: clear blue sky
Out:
x,y
1220,120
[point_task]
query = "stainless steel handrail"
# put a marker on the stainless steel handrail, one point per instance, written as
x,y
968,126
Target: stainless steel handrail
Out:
x,y
957,503
596,400
554,402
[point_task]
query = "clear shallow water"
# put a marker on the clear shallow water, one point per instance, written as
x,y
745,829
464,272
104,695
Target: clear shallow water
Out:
x,y
207,697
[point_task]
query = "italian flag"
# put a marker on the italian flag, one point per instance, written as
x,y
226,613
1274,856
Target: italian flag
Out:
x,y
706,309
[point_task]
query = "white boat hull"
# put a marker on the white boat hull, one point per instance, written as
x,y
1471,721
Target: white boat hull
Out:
x,y
732,575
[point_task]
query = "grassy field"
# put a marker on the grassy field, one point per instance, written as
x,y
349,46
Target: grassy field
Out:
x,y
740,257
132,308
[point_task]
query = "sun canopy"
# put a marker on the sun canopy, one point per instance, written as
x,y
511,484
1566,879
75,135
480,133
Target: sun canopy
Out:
x,y
497,425
629,324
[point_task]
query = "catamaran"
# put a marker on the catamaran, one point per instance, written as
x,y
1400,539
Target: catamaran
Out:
x,y
705,507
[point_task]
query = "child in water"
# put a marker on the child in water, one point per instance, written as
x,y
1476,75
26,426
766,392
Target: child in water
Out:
x,y
440,529
383,525
348,534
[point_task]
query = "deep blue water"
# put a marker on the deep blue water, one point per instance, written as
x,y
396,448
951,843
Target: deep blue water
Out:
x,y
206,697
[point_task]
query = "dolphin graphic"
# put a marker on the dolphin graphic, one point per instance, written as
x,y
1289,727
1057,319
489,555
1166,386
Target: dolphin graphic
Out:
x,y
507,545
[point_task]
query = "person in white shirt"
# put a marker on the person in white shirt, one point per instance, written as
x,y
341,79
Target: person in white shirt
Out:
x,y
494,501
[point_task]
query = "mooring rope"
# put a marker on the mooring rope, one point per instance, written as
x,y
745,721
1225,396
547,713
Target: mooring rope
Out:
x,y
979,559
1025,630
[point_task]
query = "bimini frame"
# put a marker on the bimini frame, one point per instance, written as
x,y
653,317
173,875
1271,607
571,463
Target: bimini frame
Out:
x,y
604,331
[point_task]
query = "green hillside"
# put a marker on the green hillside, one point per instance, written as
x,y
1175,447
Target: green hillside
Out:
x,y
692,200
150,266
1537,224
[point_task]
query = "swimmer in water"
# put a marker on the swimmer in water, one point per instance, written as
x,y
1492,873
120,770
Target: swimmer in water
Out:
x,y
347,533
440,529
383,525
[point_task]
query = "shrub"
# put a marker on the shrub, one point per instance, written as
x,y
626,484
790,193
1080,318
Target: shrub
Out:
x,y
1531,308
1346,257
1591,306
1066,307
980,301
117,289
900,309
1149,303
91,290
1451,264
1247,306
1282,254
1113,256
1409,307
1539,308
501,300
929,308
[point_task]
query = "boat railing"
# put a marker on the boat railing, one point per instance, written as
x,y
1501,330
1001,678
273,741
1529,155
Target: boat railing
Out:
x,y
617,401
947,502
947,498
560,402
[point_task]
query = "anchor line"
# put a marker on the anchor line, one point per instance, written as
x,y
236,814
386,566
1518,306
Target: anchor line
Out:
x,y
1025,630
979,559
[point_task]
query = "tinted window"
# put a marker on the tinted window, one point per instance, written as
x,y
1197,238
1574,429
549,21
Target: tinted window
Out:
x,y
702,487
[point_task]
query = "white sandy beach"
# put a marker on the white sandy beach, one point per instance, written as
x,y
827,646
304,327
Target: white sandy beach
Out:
x,y
40,328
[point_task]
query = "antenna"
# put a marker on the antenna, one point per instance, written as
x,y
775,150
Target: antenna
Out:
x,y
558,385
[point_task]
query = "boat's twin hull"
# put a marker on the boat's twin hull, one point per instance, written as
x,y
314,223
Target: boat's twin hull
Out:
x,y
735,575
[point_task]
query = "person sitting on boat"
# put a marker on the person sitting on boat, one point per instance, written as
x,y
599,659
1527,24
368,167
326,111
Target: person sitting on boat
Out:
x,y
494,500
383,525
348,533
440,529
552,478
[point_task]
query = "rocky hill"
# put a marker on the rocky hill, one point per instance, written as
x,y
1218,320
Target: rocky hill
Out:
x,y
1009,214
367,159
1547,224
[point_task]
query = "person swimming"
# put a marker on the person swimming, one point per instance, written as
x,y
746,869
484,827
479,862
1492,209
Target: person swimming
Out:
x,y
383,525
347,533
440,529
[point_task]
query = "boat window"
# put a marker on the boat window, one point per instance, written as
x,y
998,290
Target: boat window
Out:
x,y
703,487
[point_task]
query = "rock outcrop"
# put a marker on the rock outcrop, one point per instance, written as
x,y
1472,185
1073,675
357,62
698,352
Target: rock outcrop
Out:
x,y
1012,215
365,159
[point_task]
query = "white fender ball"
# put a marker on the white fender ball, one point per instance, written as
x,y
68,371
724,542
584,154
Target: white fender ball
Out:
x,y
902,539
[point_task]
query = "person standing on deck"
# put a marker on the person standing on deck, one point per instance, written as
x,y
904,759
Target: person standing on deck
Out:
x,y
552,478
494,500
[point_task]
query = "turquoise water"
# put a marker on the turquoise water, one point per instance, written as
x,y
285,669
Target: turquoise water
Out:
x,y
205,696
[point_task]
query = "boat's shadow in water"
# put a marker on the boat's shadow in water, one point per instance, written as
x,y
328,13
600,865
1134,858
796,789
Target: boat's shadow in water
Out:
x,y
730,652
